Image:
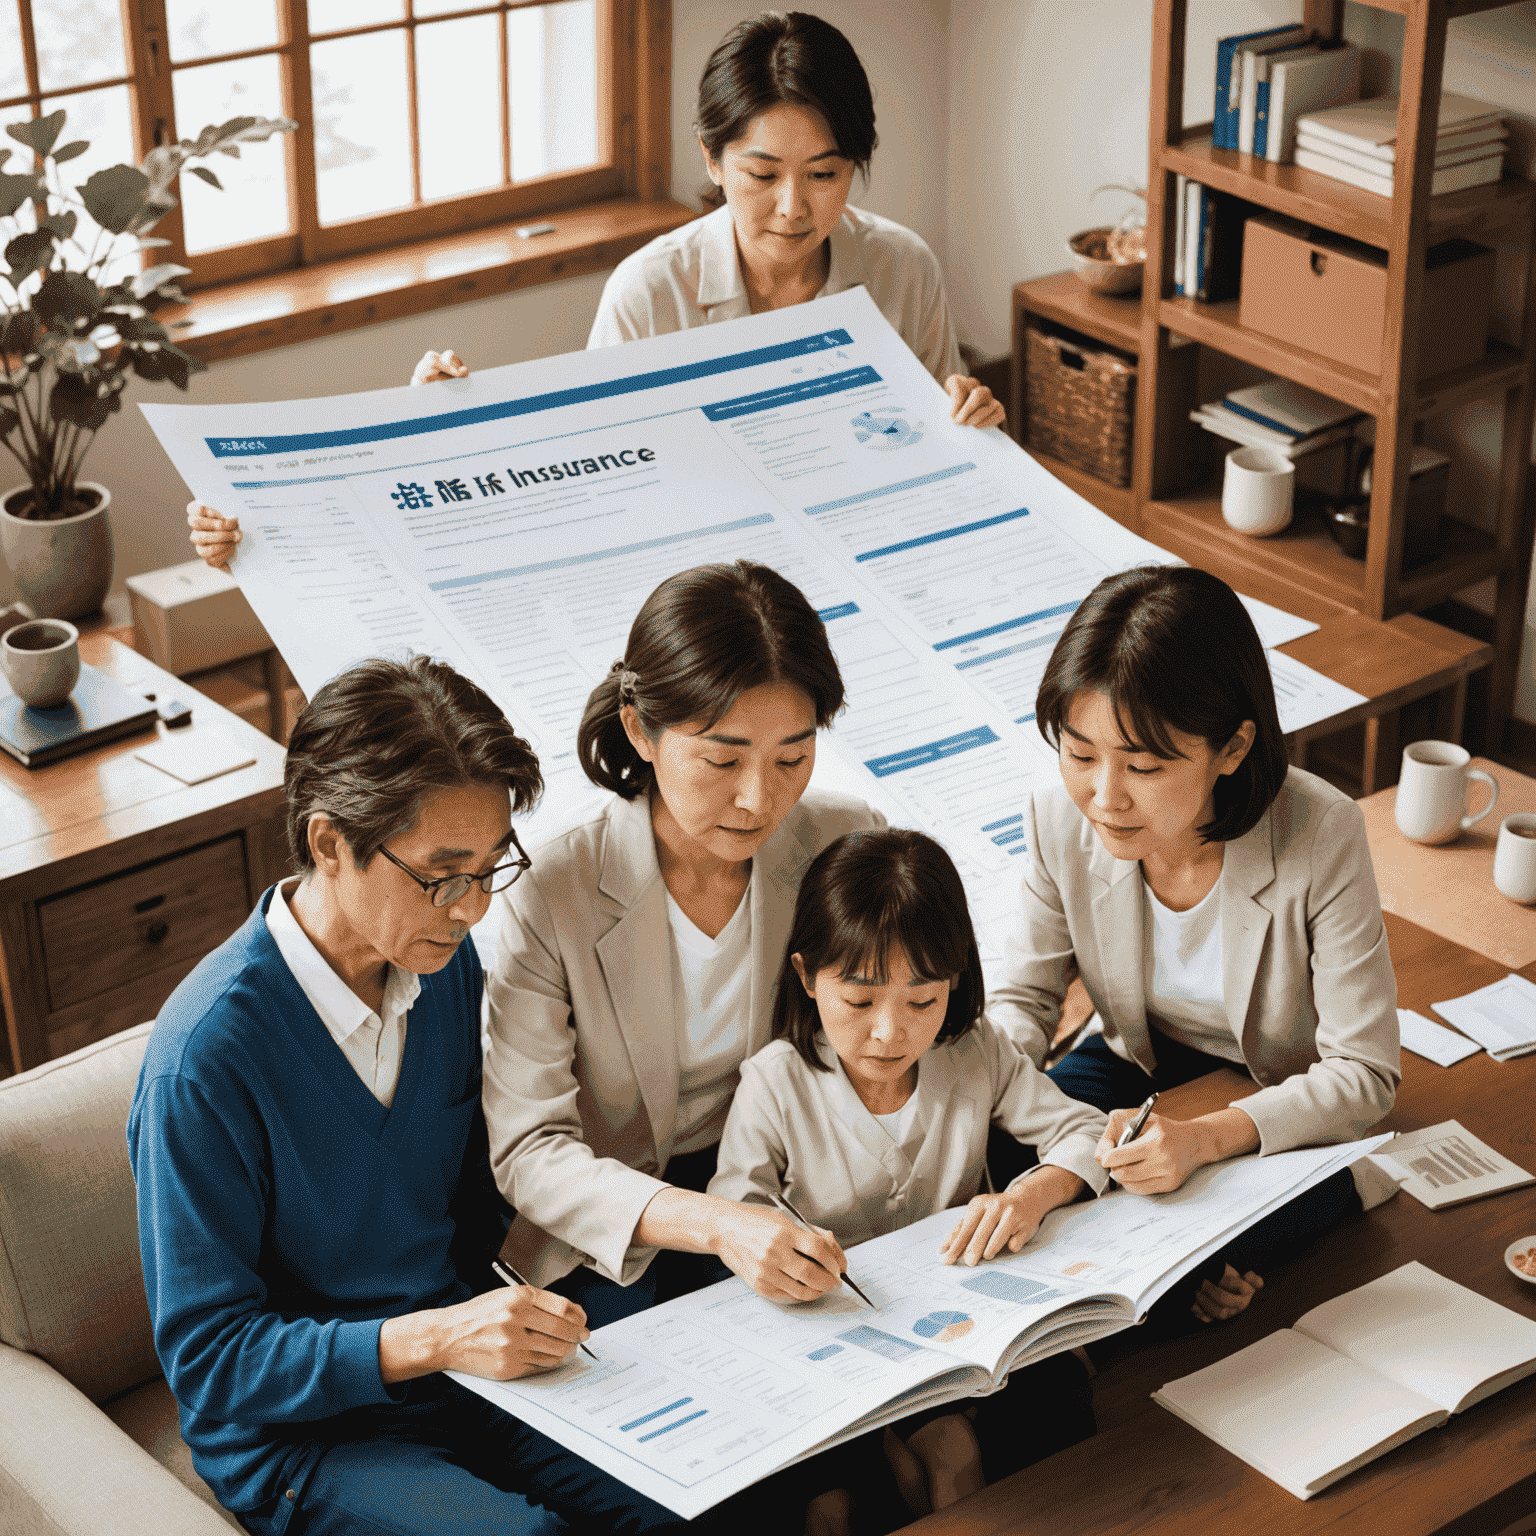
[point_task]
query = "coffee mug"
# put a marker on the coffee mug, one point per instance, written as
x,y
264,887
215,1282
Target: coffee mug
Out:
x,y
1432,792
1514,859
41,661
1257,491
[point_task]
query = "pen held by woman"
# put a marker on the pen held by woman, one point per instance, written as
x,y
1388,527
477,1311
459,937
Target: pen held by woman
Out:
x,y
509,1276
794,1215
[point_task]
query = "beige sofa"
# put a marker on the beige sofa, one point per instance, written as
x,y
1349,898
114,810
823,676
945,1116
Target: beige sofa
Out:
x,y
89,1441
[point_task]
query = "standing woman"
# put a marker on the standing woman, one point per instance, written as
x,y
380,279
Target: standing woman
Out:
x,y
639,955
1219,906
784,118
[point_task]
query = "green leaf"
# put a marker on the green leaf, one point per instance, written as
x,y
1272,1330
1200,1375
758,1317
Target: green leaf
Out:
x,y
19,333
232,150
67,296
151,242
145,283
29,253
40,132
15,190
115,197
70,151
73,400
9,420
62,224
204,174
5,155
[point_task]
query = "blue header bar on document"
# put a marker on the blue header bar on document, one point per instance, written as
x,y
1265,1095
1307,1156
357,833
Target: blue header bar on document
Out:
x,y
415,426
931,752
791,394
939,536
998,629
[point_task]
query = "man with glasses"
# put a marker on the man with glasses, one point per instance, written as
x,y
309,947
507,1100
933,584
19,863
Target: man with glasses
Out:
x,y
317,1216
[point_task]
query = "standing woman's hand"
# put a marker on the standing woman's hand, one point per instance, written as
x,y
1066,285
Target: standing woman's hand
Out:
x,y
433,366
972,403
213,537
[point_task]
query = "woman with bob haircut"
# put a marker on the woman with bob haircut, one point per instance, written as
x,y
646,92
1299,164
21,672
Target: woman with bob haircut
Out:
x,y
639,955
1219,906
870,1111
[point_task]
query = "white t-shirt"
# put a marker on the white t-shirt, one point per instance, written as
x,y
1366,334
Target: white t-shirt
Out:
x,y
691,276
373,1044
898,1125
1182,964
712,982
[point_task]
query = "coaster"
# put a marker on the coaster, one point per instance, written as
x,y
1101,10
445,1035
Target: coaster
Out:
x,y
194,759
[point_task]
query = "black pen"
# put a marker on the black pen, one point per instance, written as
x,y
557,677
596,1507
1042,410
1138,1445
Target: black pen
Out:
x,y
789,1210
509,1276
1133,1130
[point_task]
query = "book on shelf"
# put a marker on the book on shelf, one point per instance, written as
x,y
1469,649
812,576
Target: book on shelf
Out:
x,y
1288,407
1460,155
1253,101
1208,257
1248,434
1370,126
1301,85
1356,1377
1229,77
1180,195
1453,178
1481,135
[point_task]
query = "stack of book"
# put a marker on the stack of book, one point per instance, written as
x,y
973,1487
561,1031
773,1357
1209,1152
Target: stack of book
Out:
x,y
1357,143
1266,80
1208,242
1278,414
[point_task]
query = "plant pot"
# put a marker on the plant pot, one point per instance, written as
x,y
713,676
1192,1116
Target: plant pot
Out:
x,y
63,567
1091,264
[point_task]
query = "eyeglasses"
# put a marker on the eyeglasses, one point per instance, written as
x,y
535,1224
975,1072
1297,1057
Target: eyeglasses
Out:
x,y
451,888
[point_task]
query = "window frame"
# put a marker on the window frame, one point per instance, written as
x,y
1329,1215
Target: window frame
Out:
x,y
633,77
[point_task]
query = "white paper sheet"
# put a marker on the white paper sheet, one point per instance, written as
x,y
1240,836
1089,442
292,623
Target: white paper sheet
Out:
x,y
1434,1042
1446,1164
1501,1017
1275,626
513,522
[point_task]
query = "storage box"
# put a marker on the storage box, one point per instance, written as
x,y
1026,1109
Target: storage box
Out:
x,y
1079,405
1328,294
194,617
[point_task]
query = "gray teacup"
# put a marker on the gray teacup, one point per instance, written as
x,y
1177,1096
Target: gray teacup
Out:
x,y
41,661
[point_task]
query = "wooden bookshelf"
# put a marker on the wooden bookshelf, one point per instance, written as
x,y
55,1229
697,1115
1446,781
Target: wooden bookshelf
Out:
x,y
1186,517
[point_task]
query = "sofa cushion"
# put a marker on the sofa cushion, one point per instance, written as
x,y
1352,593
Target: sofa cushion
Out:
x,y
147,1415
71,1284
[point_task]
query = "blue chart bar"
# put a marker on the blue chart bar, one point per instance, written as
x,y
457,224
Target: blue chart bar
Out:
x,y
879,1343
1007,821
225,448
1009,650
791,394
889,490
1025,719
599,554
842,611
932,752
682,1402
997,629
1002,839
1006,1287
939,537
666,1429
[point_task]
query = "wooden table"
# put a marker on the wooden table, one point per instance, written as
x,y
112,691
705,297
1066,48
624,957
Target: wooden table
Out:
x,y
1149,1473
116,879
1450,889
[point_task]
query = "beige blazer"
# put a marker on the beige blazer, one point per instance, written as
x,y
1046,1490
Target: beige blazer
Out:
x,y
808,1135
581,1076
1306,977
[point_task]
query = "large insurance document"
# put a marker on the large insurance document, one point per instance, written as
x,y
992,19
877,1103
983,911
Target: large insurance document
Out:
x,y
513,523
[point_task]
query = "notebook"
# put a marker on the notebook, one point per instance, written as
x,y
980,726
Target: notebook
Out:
x,y
99,710
1356,1377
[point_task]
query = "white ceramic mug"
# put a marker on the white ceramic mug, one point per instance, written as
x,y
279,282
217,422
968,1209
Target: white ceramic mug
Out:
x,y
41,661
1432,792
1257,491
1514,859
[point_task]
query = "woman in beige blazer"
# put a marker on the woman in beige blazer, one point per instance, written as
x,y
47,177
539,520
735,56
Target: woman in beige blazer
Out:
x,y
639,955
1220,908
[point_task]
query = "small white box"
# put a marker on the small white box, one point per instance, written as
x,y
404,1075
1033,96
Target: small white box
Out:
x,y
194,617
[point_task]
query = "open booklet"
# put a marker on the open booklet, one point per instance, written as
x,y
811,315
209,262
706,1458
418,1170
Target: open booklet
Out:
x,y
1356,1377
694,1400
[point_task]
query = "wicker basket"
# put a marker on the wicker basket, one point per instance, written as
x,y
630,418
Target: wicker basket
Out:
x,y
1080,406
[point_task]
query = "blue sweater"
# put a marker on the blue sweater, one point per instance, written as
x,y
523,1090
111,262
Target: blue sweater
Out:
x,y
284,1213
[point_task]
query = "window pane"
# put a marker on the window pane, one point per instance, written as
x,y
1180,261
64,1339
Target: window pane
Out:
x,y
458,91
13,69
335,15
552,82
101,118
200,29
362,126
443,7
254,202
78,41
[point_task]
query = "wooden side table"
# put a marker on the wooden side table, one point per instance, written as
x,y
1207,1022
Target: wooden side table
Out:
x,y
116,879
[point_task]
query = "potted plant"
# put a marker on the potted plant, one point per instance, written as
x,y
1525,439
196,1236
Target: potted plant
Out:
x,y
71,333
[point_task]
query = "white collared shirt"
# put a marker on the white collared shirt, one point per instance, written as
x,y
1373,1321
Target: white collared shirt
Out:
x,y
691,276
373,1044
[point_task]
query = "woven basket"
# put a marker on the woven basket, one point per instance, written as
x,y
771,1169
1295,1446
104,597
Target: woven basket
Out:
x,y
1080,406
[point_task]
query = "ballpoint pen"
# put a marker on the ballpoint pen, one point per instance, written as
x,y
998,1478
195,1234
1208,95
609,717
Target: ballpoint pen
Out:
x,y
1133,1130
509,1276
789,1210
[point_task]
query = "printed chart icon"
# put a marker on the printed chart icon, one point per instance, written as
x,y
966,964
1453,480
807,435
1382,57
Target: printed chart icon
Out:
x,y
943,1326
886,429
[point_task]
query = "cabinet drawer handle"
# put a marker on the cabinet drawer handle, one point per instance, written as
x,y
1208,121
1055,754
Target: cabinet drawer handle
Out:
x,y
157,932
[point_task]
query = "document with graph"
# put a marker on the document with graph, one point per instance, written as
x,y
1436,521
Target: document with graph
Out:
x,y
693,1400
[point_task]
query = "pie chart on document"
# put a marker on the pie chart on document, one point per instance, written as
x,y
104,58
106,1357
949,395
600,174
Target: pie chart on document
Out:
x,y
885,429
943,1326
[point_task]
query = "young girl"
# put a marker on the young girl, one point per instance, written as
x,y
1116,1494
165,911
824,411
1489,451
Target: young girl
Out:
x,y
870,1110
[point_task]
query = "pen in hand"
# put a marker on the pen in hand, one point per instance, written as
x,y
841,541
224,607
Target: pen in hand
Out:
x,y
1134,1129
509,1276
794,1215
